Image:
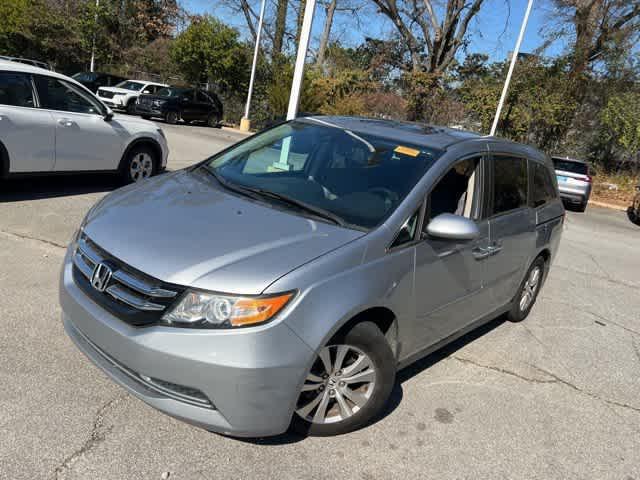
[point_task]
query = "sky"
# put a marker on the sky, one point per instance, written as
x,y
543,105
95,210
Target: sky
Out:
x,y
493,32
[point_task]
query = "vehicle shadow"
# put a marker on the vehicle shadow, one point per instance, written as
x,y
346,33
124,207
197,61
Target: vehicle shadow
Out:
x,y
402,376
35,188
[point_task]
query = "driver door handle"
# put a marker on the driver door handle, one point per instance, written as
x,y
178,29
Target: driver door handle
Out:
x,y
65,122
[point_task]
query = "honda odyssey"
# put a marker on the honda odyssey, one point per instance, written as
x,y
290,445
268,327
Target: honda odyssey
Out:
x,y
285,280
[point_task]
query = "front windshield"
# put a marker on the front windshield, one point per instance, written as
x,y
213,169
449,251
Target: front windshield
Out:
x,y
357,177
170,92
130,85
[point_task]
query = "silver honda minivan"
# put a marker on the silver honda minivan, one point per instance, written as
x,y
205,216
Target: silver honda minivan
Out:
x,y
284,281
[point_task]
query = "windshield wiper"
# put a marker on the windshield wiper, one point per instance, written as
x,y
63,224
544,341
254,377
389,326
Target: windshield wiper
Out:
x,y
254,192
317,211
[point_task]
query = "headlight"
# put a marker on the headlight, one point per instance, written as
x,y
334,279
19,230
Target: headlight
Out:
x,y
198,309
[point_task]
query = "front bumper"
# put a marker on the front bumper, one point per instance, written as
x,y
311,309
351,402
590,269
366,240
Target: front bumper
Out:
x,y
113,103
145,109
252,377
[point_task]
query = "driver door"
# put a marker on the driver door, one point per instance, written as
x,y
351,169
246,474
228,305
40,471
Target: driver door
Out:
x,y
85,141
449,274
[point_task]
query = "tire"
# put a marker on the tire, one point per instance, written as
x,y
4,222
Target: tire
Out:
x,y
583,206
213,120
145,157
131,107
520,309
350,404
171,117
146,117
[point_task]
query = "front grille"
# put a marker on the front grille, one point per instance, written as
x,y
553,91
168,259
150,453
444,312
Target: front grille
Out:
x,y
189,395
104,94
132,296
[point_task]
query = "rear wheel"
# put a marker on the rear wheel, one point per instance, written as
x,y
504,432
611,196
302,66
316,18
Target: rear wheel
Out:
x,y
348,385
171,118
528,292
213,120
139,164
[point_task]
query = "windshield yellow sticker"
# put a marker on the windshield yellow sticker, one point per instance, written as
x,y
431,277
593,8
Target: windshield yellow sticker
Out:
x,y
412,152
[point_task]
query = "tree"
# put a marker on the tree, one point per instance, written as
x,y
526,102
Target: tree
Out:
x,y
281,25
621,123
597,27
432,42
210,51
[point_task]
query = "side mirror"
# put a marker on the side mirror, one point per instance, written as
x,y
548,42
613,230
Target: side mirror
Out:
x,y
108,116
452,227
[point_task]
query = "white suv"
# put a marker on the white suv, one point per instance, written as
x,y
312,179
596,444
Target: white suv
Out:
x,y
124,95
51,123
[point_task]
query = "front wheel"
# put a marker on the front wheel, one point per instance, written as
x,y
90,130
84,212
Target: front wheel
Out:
x,y
348,385
139,164
131,107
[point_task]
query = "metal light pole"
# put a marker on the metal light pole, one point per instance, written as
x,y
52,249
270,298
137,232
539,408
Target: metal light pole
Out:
x,y
514,57
93,40
298,73
245,124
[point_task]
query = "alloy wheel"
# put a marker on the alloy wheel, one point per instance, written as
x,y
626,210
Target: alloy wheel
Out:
x,y
339,385
141,167
529,289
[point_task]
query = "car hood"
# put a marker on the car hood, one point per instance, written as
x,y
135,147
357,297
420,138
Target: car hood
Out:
x,y
183,228
123,91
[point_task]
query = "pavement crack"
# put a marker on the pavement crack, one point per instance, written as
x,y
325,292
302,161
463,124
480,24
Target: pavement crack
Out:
x,y
615,281
595,396
554,379
24,236
97,435
503,371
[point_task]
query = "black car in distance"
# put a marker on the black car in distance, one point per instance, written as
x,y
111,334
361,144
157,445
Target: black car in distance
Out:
x,y
94,80
188,104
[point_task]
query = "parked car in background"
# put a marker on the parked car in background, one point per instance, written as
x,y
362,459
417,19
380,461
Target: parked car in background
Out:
x,y
346,249
124,95
634,210
27,61
574,181
188,104
49,123
94,80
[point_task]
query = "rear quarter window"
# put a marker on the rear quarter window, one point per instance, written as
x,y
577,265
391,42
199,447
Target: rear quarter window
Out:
x,y
542,187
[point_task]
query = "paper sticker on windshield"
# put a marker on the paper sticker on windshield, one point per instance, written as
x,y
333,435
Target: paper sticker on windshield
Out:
x,y
412,152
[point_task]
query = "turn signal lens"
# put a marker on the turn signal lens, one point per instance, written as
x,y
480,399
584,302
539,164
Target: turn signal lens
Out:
x,y
210,310
257,310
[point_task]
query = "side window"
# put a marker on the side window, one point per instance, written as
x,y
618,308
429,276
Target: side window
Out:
x,y
542,189
408,231
509,183
455,192
56,94
16,90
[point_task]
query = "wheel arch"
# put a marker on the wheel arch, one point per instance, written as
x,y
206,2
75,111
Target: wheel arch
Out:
x,y
381,316
4,161
142,141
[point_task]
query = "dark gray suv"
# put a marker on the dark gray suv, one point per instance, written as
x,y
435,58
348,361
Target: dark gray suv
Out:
x,y
286,280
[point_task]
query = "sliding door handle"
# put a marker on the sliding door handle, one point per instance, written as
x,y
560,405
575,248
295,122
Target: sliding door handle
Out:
x,y
480,253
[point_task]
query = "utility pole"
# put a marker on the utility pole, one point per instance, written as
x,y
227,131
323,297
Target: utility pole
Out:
x,y
245,123
514,58
298,73
93,40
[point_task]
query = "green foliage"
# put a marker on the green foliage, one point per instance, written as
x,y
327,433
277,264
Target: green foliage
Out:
x,y
210,51
621,122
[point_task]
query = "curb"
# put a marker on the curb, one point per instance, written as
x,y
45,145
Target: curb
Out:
x,y
238,131
608,205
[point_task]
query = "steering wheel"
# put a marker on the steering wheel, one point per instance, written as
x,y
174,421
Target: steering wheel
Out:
x,y
390,197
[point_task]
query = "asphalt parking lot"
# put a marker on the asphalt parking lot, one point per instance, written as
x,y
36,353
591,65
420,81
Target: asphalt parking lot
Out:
x,y
555,397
